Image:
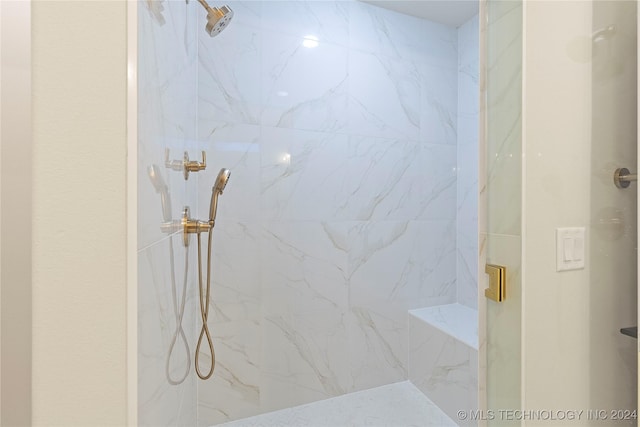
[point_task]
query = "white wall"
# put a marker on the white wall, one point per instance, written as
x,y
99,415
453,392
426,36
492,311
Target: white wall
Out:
x,y
79,213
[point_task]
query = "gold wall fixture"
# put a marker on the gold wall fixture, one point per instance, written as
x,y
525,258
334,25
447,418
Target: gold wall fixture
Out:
x,y
497,282
192,226
185,165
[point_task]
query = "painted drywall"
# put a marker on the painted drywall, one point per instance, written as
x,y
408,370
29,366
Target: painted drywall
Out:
x,y
580,124
79,213
16,218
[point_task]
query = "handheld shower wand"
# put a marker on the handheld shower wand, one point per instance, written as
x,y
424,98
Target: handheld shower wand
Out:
x,y
218,188
205,295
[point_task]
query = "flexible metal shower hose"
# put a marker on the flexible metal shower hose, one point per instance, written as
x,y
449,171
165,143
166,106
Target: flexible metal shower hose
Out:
x,y
179,314
204,309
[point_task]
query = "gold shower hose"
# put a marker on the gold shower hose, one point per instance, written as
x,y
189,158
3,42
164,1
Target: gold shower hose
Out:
x,y
204,309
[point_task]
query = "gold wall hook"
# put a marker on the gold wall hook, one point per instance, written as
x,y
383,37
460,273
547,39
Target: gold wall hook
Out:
x,y
497,282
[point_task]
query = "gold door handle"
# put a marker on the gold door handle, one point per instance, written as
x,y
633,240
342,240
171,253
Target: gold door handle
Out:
x,y
497,282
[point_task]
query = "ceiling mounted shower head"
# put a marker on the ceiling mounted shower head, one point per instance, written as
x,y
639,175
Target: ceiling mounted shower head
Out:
x,y
218,19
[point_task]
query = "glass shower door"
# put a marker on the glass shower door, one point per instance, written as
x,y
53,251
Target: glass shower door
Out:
x,y
500,196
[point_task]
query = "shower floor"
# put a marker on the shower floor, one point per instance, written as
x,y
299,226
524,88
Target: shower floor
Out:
x,y
398,405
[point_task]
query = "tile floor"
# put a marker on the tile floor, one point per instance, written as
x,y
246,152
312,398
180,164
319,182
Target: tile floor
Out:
x,y
394,405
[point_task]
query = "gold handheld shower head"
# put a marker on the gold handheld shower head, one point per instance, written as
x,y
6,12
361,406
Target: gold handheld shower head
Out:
x,y
218,188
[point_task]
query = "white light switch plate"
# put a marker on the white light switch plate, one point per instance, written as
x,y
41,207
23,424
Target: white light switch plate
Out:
x,y
570,248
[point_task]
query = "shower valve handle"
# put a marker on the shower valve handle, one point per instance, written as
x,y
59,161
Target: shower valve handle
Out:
x,y
185,165
194,165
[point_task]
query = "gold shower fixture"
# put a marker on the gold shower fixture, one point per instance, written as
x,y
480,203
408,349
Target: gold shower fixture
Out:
x,y
217,18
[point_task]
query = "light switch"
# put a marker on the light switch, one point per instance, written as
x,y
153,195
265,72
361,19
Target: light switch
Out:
x,y
570,244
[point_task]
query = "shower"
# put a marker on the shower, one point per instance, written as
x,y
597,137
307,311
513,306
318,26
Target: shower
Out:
x,y
217,18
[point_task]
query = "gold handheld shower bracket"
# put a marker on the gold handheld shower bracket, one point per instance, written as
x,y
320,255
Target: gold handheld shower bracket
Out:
x,y
192,226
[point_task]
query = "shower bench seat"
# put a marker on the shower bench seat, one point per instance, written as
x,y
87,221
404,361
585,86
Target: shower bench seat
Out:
x,y
443,356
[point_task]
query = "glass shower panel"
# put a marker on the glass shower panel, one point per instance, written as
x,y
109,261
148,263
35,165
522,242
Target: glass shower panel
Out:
x,y
500,201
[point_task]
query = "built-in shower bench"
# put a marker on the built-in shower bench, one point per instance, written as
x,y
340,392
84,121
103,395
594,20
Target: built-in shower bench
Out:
x,y
443,356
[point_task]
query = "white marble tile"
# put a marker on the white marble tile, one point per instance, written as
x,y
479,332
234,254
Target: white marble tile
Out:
x,y
236,290
384,96
395,35
467,272
237,148
467,163
468,42
304,268
328,21
161,403
233,391
400,180
246,13
229,85
394,267
404,264
439,103
303,174
455,320
468,97
398,404
303,87
377,345
305,358
442,367
504,103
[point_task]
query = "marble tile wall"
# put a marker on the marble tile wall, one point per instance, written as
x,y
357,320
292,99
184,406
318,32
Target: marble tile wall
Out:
x,y
467,163
443,356
340,214
167,111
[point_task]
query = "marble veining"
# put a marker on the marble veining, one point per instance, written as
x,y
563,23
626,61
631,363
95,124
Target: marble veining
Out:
x,y
341,211
456,320
468,108
441,364
399,404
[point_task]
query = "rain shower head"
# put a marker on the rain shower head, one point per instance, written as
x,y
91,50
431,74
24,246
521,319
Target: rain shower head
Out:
x,y
217,18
